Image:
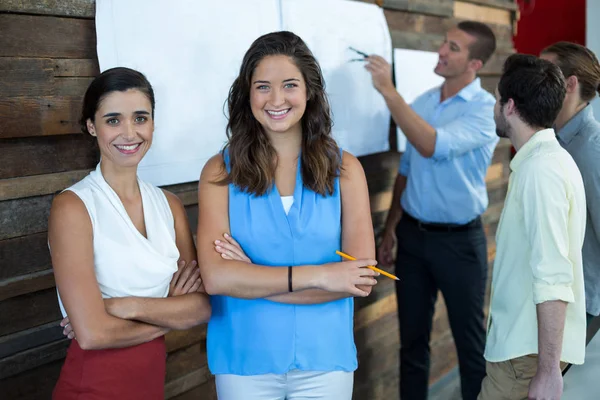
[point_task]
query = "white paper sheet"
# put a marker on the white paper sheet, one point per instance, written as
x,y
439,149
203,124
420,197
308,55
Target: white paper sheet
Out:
x,y
190,51
413,72
361,117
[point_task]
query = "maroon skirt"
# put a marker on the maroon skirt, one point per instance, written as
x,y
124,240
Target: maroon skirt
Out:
x,y
131,373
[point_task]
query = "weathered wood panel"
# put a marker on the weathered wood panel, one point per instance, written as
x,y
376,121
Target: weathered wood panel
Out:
x,y
36,185
26,284
433,7
491,15
41,36
44,115
76,67
30,338
46,155
67,8
35,384
24,255
503,4
23,312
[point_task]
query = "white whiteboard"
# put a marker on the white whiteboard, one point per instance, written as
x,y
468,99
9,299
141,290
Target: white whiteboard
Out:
x,y
191,51
413,72
360,115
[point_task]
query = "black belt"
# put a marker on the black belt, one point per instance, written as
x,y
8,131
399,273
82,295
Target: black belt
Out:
x,y
435,227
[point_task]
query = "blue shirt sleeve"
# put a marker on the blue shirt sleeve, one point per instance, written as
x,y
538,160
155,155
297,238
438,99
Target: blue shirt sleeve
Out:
x,y
405,161
474,129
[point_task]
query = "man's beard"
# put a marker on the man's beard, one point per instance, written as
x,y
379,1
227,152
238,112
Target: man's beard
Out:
x,y
502,128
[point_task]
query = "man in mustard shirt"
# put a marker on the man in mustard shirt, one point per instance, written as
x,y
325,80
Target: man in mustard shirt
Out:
x,y
537,317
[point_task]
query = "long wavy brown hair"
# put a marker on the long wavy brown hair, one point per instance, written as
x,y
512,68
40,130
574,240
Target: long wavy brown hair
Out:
x,y
252,158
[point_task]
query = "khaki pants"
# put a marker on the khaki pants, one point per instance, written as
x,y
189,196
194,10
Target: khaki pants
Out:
x,y
509,380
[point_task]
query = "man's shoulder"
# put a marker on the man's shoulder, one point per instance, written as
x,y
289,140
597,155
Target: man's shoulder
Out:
x,y
485,97
426,95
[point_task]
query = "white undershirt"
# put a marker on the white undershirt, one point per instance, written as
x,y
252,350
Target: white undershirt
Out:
x,y
287,202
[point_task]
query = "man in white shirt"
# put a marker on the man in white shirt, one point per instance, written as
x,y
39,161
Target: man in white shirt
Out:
x,y
537,313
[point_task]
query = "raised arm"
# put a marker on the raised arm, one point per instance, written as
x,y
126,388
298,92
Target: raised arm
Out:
x,y
357,230
175,312
244,280
70,239
472,130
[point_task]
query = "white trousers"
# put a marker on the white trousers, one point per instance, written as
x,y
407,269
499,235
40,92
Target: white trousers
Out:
x,y
295,385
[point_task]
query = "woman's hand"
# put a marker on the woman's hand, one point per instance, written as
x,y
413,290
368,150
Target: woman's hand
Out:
x,y
348,277
230,249
186,280
67,328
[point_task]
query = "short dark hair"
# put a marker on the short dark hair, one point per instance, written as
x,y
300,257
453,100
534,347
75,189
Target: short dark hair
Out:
x,y
485,40
578,60
536,86
117,79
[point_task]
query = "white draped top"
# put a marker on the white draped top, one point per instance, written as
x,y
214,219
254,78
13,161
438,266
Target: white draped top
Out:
x,y
127,263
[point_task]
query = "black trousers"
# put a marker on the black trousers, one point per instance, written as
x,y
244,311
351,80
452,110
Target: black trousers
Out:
x,y
454,261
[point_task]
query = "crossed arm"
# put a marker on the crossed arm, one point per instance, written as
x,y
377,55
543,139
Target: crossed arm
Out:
x,y
312,285
121,322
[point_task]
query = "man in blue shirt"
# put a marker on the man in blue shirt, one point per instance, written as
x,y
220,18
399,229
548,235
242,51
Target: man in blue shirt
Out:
x,y
439,196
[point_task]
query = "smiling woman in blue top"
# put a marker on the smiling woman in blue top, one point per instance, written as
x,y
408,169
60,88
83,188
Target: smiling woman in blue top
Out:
x,y
282,324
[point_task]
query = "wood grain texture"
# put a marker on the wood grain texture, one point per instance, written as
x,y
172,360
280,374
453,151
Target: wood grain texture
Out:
x,y
30,338
27,311
187,382
32,358
39,116
419,23
42,36
37,185
67,8
24,255
46,155
182,361
24,216
20,76
502,4
35,384
464,10
26,284
433,7
87,67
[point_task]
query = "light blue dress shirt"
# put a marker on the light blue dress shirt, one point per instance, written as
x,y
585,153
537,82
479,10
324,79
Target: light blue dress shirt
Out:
x,y
449,187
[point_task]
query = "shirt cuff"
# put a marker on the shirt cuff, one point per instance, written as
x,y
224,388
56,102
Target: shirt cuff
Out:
x,y
442,144
543,292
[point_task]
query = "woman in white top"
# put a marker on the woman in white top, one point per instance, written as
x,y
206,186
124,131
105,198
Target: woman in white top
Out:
x,y
123,255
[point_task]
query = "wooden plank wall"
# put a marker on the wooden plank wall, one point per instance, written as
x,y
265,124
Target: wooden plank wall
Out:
x,y
47,59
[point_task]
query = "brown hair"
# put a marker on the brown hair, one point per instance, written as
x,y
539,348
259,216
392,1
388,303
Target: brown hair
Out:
x,y
577,60
252,158
485,40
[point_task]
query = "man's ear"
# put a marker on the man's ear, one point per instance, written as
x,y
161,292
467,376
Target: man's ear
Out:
x,y
510,108
475,65
572,84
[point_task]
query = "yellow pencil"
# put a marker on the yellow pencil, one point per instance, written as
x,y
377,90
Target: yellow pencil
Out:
x,y
346,256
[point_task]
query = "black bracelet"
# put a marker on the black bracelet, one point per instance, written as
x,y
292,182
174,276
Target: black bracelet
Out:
x,y
290,279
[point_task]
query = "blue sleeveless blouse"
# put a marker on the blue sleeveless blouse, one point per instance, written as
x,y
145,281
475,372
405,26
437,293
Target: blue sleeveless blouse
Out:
x,y
259,336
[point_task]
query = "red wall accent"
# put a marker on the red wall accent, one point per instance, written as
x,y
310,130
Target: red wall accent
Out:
x,y
544,22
